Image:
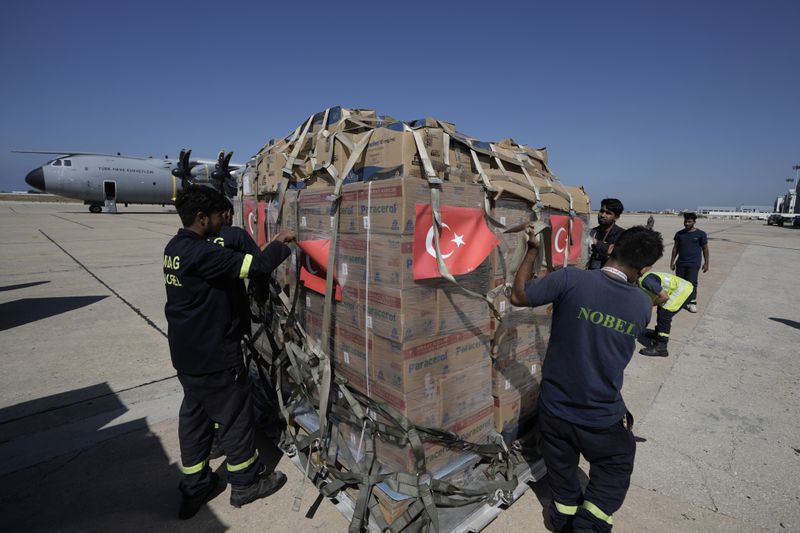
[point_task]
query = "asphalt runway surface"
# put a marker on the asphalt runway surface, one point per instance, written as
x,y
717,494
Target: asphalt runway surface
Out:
x,y
89,401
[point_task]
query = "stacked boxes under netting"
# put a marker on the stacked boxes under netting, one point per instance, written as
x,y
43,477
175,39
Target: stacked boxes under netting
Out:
x,y
436,354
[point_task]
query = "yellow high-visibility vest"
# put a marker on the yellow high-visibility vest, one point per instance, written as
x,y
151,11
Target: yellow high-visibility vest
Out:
x,y
677,288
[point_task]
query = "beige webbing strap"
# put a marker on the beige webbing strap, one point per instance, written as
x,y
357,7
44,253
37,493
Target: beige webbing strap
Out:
x,y
287,169
280,194
323,132
446,148
434,183
528,177
430,174
325,366
445,273
484,178
499,161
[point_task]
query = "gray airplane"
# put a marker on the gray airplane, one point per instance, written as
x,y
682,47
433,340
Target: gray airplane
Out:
x,y
105,180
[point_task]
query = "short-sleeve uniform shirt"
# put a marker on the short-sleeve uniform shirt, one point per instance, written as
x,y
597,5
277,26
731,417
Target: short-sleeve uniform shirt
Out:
x,y
690,247
596,320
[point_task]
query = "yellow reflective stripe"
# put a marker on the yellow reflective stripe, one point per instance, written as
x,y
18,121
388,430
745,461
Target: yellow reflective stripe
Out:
x,y
661,334
216,425
597,512
242,466
248,258
194,469
678,296
566,509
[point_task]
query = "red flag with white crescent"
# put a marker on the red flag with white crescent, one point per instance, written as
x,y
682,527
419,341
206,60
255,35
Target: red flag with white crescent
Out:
x,y
560,241
464,241
314,262
261,224
250,215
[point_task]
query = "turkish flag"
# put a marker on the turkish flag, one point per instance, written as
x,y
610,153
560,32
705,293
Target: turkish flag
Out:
x,y
250,215
559,240
314,264
464,242
261,224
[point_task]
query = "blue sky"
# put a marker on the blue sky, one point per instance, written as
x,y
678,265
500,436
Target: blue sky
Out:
x,y
661,104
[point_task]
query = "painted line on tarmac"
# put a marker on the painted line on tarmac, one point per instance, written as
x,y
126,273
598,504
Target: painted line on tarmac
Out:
x,y
86,400
68,220
107,286
159,232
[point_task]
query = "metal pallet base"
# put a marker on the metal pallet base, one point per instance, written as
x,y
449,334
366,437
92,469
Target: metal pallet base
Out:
x,y
466,519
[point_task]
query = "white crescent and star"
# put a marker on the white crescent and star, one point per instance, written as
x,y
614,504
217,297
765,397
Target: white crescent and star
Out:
x,y
310,268
458,240
558,248
251,219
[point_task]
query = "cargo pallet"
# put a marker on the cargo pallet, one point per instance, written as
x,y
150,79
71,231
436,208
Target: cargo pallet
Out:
x,y
469,518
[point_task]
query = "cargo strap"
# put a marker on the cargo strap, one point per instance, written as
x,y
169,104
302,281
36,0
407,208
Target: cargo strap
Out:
x,y
359,411
300,142
435,183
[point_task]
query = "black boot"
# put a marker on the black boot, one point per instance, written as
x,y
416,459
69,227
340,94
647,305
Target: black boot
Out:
x,y
216,447
264,485
190,505
659,349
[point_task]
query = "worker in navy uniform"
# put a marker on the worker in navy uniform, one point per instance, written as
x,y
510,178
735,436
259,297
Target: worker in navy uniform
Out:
x,y
235,238
204,339
605,233
597,316
669,293
690,244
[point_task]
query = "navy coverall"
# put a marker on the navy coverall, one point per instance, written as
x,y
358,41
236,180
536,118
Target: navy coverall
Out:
x,y
204,334
596,320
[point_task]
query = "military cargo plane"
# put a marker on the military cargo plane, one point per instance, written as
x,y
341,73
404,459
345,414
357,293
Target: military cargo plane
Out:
x,y
105,180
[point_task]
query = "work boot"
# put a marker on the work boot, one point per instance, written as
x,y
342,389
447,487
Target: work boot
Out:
x,y
264,485
216,447
190,505
659,349
692,308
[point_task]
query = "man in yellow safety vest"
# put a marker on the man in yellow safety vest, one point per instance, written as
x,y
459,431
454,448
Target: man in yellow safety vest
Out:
x,y
669,293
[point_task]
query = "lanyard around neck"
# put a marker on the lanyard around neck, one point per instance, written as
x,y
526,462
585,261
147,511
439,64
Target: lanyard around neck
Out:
x,y
615,272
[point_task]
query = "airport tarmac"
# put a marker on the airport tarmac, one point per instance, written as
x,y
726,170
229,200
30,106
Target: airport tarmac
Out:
x,y
89,401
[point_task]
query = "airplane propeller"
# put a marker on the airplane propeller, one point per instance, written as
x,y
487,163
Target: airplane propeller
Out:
x,y
222,173
184,169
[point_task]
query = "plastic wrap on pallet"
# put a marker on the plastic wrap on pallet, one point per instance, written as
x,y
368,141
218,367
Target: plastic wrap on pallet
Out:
x,y
426,348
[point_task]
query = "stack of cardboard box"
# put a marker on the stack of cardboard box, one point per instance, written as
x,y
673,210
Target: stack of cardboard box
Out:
x,y
425,347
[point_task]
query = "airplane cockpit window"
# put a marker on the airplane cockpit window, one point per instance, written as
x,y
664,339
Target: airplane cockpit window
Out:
x,y
67,163
57,163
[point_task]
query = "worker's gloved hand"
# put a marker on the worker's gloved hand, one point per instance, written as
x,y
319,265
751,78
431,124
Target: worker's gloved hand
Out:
x,y
285,236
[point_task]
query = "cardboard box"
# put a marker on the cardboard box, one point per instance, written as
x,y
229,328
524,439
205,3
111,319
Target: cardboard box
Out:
x,y
509,212
511,409
441,400
390,259
474,429
400,315
392,153
388,206
456,309
411,365
516,377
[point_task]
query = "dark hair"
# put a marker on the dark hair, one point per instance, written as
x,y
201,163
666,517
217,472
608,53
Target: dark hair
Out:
x,y
197,198
687,216
638,247
613,205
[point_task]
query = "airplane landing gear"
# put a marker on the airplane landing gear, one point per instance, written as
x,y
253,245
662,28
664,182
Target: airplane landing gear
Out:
x,y
95,208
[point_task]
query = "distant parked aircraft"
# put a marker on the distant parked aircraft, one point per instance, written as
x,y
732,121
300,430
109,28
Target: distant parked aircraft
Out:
x,y
105,180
